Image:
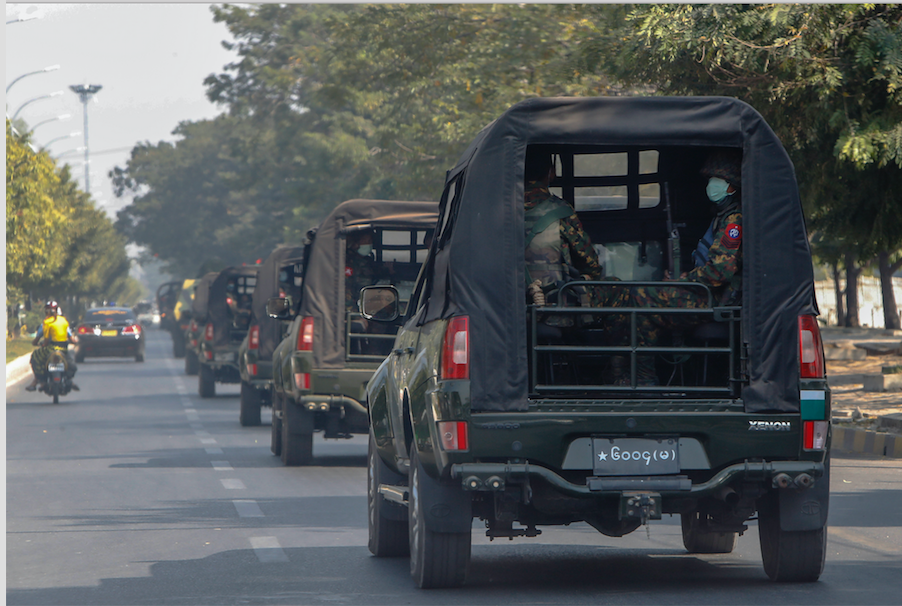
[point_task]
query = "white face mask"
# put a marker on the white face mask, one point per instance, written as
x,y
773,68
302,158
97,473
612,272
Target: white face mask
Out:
x,y
717,190
365,250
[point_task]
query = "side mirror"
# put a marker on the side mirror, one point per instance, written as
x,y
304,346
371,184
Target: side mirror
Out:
x,y
279,308
379,303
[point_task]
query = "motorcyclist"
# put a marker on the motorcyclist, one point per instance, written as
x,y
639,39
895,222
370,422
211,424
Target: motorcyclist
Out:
x,y
53,334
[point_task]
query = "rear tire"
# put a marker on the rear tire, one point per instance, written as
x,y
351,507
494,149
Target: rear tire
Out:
x,y
437,559
297,434
139,357
206,384
790,556
387,521
249,406
191,363
79,358
275,442
696,541
178,345
55,391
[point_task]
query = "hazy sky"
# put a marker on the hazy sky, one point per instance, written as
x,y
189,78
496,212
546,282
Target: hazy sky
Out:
x,y
151,60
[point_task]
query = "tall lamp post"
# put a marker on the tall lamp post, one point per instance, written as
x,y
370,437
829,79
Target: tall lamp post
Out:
x,y
49,120
85,92
40,71
52,141
21,107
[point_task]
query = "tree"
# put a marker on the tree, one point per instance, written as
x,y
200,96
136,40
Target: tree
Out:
x,y
828,78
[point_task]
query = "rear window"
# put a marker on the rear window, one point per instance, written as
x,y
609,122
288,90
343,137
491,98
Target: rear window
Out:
x,y
108,315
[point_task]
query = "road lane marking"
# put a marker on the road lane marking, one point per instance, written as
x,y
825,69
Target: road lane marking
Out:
x,y
186,402
233,484
200,433
212,450
221,466
268,549
192,415
248,508
208,440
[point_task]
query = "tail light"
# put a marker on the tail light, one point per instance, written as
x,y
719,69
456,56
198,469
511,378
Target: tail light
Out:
x,y
814,434
84,330
134,329
305,334
252,370
208,332
302,380
811,350
253,338
456,349
229,300
192,326
453,435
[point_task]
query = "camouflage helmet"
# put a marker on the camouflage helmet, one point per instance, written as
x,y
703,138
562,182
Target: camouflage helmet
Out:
x,y
726,164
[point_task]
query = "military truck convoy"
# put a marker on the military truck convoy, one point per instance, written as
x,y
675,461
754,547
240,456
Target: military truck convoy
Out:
x,y
598,396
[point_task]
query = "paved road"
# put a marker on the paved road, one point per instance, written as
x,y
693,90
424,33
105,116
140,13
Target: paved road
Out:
x,y
137,491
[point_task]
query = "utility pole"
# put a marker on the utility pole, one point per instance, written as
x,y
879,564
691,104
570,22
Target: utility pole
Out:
x,y
85,92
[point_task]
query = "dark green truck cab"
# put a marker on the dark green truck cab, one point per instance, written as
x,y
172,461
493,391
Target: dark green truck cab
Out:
x,y
494,407
321,367
280,275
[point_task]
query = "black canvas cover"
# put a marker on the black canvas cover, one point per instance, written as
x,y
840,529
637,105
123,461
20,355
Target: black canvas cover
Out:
x,y
202,295
481,265
324,277
217,307
267,288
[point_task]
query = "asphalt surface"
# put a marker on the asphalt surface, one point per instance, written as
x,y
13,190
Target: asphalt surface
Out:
x,y
137,491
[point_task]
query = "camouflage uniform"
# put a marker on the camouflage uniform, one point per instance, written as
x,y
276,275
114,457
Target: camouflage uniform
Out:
x,y
572,248
360,271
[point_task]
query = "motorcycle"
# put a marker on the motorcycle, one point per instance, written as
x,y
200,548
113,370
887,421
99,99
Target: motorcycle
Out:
x,y
56,381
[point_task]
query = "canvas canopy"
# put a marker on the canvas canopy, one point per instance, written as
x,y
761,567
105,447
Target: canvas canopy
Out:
x,y
479,262
202,295
217,308
323,297
267,288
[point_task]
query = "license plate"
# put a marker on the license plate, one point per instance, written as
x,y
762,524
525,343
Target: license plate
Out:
x,y
225,357
109,333
56,367
636,456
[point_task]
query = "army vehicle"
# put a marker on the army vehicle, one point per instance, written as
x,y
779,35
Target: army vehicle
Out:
x,y
199,292
181,316
167,296
280,275
496,407
321,367
224,326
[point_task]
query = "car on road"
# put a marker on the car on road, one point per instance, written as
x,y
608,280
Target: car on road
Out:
x,y
109,331
280,275
321,367
506,407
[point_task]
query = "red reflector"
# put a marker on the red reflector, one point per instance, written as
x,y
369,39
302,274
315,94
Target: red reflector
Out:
x,y
814,435
252,369
208,355
83,330
453,435
456,349
208,332
811,350
305,334
134,329
302,380
253,339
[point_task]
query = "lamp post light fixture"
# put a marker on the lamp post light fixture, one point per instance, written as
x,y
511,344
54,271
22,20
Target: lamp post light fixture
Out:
x,y
52,141
85,92
48,120
21,19
40,71
21,107
69,152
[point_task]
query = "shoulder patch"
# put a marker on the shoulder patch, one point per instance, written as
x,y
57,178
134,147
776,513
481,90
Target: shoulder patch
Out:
x,y
732,236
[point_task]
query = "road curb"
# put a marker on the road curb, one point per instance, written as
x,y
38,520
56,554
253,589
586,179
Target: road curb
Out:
x,y
850,439
18,369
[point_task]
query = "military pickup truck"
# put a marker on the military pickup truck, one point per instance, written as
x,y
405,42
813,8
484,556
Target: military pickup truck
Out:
x,y
224,326
196,316
167,296
280,275
321,367
501,405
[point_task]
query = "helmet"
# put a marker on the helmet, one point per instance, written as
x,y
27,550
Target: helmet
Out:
x,y
51,306
725,164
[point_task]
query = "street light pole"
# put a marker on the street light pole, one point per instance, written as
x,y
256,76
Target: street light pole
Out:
x,y
85,92
21,107
52,141
40,71
60,117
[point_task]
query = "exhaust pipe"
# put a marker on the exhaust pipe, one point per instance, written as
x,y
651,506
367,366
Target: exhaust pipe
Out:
x,y
782,480
728,496
803,480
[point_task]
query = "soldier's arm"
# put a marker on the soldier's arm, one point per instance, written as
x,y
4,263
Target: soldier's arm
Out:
x,y
724,254
582,254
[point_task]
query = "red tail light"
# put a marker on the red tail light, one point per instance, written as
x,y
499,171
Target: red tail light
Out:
x,y
253,338
456,349
252,370
84,330
193,326
811,350
814,434
453,435
134,329
208,332
302,380
305,334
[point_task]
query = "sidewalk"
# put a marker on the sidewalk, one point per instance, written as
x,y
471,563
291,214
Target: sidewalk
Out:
x,y
17,369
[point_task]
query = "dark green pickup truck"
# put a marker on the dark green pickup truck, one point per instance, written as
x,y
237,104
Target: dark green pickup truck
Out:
x,y
499,406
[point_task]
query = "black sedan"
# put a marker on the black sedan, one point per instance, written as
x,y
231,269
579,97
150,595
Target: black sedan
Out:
x,y
110,331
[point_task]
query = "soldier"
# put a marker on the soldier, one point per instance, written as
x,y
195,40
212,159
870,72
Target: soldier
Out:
x,y
718,261
555,238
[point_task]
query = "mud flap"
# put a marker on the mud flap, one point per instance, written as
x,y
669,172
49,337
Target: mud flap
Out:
x,y
446,508
806,509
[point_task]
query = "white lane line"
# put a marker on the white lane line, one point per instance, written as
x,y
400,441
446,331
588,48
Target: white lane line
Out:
x,y
247,508
221,466
196,426
208,440
192,416
202,434
268,549
186,402
212,451
233,484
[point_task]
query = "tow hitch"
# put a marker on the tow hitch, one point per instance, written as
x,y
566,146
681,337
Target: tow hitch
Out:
x,y
640,504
